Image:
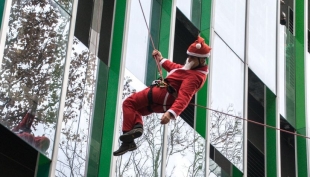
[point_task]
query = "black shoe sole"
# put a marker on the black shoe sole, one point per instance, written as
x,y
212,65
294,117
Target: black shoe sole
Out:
x,y
123,152
131,135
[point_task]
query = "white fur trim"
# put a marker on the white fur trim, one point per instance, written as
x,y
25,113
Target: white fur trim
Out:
x,y
162,61
172,71
198,55
174,114
204,72
198,46
165,102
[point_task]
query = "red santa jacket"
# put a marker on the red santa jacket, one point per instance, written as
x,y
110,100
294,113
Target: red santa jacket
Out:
x,y
186,83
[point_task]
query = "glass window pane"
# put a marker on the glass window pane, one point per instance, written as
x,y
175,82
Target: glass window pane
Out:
x,y
229,24
32,71
2,9
227,97
191,10
66,4
281,70
185,6
146,159
215,170
186,150
138,39
286,71
78,112
262,41
290,77
308,90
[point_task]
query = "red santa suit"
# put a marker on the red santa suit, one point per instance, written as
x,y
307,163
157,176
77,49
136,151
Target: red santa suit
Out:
x,y
185,82
171,97
156,99
23,130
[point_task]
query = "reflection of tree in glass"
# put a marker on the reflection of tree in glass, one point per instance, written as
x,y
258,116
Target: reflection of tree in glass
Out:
x,y
32,65
185,141
77,114
67,4
33,62
226,135
127,90
215,170
146,160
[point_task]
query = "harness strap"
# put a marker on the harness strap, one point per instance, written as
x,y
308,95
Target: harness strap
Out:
x,y
165,102
169,88
150,98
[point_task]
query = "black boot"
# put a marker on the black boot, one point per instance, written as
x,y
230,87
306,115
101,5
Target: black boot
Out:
x,y
129,136
125,147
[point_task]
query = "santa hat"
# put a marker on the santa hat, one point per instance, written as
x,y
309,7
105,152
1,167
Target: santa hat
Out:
x,y
199,48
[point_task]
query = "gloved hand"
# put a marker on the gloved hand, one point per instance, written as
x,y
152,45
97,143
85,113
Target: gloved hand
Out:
x,y
157,55
166,118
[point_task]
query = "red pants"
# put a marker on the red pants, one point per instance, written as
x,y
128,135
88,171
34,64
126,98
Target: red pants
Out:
x,y
40,142
136,105
25,123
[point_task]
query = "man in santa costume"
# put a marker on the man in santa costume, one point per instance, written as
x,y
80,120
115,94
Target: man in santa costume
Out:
x,y
170,97
23,129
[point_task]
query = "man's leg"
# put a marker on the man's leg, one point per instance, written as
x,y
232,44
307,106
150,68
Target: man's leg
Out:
x,y
134,107
132,121
25,124
131,105
136,132
132,118
28,137
42,143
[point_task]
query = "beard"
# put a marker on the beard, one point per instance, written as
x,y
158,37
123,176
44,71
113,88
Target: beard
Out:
x,y
188,65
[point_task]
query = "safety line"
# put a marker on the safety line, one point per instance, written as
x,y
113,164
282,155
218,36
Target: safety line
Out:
x,y
265,125
148,29
251,121
147,25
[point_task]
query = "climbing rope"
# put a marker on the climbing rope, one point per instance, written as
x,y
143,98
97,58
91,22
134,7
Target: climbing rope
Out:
x,y
251,121
148,29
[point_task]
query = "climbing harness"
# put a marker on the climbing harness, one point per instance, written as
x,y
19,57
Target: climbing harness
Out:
x,y
161,83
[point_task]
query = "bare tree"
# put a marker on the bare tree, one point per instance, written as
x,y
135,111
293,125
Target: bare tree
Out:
x,y
147,159
66,4
226,135
77,114
183,141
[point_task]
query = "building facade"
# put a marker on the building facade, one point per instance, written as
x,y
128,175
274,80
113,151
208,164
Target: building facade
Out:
x,y
67,65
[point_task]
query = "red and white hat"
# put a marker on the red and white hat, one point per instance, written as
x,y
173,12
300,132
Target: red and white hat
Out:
x,y
199,48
